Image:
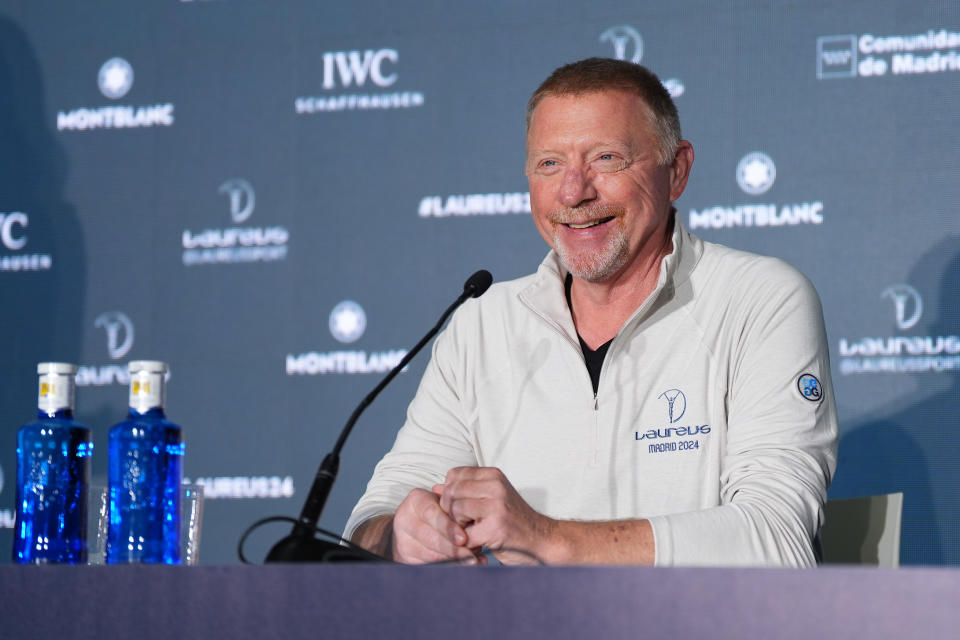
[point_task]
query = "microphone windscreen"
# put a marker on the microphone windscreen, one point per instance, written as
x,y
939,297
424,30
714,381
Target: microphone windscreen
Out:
x,y
478,283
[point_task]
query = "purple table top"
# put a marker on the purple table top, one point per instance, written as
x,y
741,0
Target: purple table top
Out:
x,y
239,602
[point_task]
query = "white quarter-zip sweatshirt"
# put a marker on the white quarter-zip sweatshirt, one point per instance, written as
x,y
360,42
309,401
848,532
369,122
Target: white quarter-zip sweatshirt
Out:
x,y
714,416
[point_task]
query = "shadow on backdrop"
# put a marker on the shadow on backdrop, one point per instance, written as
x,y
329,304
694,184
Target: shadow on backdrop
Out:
x,y
42,310
915,447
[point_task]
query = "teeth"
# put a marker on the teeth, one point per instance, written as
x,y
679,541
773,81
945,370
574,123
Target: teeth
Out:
x,y
584,226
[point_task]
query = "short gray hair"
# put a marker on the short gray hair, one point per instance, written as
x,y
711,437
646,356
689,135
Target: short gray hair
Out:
x,y
607,74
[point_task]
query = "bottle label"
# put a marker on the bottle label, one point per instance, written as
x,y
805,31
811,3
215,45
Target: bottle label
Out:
x,y
56,392
146,391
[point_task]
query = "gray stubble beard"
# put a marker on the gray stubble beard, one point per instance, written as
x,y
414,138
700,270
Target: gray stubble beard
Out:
x,y
600,265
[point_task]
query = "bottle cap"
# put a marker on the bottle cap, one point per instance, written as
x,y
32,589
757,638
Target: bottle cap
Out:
x,y
63,368
150,366
147,384
56,386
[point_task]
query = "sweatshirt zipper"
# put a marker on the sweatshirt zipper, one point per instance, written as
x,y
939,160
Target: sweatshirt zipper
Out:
x,y
596,431
595,457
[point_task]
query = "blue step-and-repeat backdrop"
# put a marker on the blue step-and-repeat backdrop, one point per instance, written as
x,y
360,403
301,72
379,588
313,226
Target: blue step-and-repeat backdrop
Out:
x,y
278,199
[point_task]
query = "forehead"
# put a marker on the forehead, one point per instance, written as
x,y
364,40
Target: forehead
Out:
x,y
569,118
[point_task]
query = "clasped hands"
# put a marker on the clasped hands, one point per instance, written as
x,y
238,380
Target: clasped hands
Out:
x,y
474,507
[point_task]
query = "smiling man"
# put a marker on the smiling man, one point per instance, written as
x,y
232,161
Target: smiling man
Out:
x,y
645,397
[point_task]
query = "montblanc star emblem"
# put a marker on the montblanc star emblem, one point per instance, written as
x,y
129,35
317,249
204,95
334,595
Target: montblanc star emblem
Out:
x,y
756,173
348,321
115,78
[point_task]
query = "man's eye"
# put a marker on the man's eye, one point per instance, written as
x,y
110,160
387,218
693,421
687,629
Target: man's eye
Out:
x,y
609,163
548,167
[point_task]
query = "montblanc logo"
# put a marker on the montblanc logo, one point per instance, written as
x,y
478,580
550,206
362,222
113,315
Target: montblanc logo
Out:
x,y
901,354
347,324
242,198
235,244
344,70
13,237
674,87
755,175
115,80
867,55
119,330
626,41
676,404
907,303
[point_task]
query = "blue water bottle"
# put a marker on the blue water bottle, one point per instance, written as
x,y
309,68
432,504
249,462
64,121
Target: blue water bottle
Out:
x,y
53,475
146,471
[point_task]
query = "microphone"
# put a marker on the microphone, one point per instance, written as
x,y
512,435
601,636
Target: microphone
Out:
x,y
302,545
478,283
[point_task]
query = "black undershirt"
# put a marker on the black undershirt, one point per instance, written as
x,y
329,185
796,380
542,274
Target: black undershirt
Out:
x,y
594,359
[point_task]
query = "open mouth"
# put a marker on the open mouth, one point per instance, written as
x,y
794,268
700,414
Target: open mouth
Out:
x,y
587,225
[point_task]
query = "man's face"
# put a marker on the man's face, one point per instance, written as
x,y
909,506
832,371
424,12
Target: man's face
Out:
x,y
599,197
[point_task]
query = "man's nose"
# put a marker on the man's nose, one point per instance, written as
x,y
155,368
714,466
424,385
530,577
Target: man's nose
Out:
x,y
577,187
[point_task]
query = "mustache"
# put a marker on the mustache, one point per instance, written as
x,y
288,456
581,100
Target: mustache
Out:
x,y
586,213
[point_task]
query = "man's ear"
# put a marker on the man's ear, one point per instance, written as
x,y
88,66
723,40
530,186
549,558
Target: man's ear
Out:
x,y
680,169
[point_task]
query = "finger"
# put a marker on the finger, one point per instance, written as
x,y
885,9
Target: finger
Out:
x,y
437,490
415,539
475,488
458,488
470,473
484,533
465,511
461,490
470,500
428,512
414,551
446,498
420,541
444,525
438,543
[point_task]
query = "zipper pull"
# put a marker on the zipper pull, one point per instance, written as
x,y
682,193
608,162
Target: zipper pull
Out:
x,y
596,405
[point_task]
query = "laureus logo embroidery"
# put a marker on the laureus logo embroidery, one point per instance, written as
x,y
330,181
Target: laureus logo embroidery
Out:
x,y
676,404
